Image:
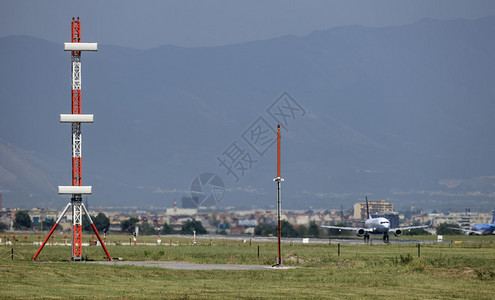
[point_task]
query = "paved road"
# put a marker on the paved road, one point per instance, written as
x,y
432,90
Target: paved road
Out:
x,y
188,266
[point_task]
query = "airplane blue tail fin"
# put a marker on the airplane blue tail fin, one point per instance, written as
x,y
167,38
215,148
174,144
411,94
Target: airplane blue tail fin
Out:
x,y
367,209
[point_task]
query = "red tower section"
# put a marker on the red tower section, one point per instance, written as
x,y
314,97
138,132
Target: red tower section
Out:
x,y
76,99
76,142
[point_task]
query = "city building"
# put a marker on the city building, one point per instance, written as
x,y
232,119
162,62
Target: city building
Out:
x,y
466,220
376,207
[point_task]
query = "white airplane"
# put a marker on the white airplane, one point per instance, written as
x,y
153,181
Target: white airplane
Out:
x,y
375,226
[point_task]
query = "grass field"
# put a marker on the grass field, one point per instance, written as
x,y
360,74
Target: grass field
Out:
x,y
452,270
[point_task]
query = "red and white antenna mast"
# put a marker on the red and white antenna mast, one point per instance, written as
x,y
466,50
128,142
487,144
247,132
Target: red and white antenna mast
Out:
x,y
76,118
279,180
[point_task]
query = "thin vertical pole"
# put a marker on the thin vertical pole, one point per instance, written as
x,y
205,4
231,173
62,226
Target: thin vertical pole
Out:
x,y
278,151
279,226
279,198
279,229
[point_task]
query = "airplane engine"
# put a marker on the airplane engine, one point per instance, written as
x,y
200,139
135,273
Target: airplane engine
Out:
x,y
398,232
360,232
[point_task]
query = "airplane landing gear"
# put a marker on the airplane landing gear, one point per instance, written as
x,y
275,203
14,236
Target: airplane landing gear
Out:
x,y
366,238
385,238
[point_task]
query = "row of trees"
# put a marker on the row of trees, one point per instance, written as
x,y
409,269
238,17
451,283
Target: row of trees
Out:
x,y
23,222
287,230
129,226
101,222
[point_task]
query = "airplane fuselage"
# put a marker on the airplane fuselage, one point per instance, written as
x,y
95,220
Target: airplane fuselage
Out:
x,y
377,225
483,229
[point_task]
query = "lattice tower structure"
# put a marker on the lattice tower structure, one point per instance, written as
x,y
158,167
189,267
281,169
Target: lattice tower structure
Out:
x,y
76,143
76,118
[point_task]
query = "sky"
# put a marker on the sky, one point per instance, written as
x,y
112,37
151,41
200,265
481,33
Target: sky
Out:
x,y
148,24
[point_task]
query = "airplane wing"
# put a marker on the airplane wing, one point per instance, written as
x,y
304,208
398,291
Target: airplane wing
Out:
x,y
346,228
409,227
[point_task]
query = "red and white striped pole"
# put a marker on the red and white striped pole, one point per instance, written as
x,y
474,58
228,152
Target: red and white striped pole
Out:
x,y
76,143
279,180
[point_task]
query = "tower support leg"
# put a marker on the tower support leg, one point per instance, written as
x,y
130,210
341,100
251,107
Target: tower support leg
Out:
x,y
51,231
96,232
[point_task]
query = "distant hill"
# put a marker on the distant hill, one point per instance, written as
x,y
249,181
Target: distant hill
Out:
x,y
400,113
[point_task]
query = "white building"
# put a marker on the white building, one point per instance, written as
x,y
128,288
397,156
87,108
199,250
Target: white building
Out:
x,y
466,220
181,211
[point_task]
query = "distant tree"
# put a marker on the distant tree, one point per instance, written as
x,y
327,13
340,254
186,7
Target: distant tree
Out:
x,y
22,220
101,222
302,231
128,225
190,225
287,229
265,229
314,229
167,229
446,229
47,224
86,225
147,229
3,227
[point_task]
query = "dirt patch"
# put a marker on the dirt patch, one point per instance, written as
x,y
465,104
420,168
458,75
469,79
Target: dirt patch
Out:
x,y
296,259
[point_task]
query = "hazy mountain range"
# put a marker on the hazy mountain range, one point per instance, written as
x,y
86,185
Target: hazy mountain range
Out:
x,y
400,113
